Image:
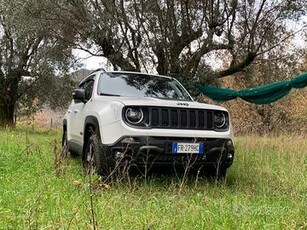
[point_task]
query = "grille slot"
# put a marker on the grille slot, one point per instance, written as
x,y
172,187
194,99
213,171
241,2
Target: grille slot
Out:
x,y
174,118
183,118
165,117
155,117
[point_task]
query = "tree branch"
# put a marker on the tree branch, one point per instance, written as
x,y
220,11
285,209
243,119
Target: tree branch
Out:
x,y
250,57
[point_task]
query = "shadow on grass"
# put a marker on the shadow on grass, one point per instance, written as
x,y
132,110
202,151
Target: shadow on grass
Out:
x,y
158,177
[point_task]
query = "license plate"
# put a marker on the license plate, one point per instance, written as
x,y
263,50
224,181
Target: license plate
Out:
x,y
188,148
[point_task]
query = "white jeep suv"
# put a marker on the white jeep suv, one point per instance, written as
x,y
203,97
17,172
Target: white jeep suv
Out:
x,y
146,120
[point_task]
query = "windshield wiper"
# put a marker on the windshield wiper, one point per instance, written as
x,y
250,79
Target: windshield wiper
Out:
x,y
108,94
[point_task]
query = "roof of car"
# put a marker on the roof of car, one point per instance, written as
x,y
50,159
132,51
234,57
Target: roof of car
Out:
x,y
120,72
139,73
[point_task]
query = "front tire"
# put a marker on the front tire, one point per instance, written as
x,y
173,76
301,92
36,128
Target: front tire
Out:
x,y
91,162
96,158
215,173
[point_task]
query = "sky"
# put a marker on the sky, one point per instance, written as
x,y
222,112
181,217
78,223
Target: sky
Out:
x,y
88,61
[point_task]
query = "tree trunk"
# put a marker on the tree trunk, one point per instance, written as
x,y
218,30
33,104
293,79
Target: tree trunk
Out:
x,y
7,116
9,96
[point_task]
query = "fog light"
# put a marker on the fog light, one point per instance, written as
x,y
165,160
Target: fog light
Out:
x,y
118,155
229,143
229,155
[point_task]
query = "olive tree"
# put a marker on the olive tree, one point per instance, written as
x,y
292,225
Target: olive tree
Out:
x,y
181,37
29,52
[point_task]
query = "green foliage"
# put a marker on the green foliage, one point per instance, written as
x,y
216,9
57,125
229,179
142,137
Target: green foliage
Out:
x,y
265,189
28,47
53,91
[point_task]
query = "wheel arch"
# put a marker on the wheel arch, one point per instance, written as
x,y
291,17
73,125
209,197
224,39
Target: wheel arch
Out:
x,y
91,124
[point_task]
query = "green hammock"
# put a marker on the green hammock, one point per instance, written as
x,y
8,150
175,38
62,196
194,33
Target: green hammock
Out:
x,y
259,95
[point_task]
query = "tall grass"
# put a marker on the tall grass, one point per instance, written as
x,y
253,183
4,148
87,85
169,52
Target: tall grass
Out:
x,y
266,188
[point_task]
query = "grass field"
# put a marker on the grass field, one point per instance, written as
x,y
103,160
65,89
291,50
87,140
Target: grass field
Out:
x,y
266,188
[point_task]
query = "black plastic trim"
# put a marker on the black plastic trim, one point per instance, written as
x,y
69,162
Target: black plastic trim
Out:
x,y
215,149
91,120
75,146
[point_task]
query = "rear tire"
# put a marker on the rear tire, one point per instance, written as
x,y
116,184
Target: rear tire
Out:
x,y
65,151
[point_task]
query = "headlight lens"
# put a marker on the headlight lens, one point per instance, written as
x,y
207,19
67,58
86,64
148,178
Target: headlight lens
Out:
x,y
220,119
134,115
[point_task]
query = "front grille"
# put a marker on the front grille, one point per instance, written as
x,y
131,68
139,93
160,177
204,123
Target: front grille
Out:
x,y
179,118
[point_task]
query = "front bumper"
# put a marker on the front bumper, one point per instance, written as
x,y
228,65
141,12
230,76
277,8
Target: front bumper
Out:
x,y
144,150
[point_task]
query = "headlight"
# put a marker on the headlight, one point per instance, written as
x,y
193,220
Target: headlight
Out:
x,y
134,115
220,119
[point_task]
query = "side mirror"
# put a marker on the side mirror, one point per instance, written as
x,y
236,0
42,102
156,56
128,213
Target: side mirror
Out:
x,y
79,95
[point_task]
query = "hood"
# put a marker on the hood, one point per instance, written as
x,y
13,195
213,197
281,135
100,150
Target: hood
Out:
x,y
148,101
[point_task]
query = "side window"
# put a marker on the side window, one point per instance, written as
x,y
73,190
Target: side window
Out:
x,y
88,87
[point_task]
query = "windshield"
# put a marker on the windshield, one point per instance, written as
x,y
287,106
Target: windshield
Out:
x,y
140,85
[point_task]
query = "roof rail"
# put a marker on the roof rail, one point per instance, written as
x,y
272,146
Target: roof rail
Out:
x,y
99,69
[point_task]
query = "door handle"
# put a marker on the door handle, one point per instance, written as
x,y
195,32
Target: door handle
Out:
x,y
76,111
68,111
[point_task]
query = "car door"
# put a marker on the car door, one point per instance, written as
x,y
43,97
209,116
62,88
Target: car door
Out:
x,y
78,111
